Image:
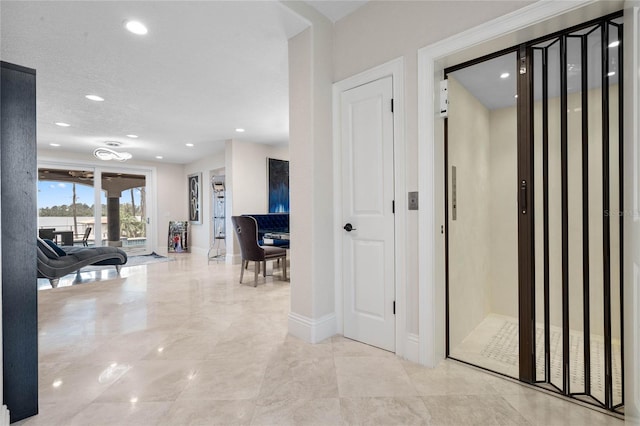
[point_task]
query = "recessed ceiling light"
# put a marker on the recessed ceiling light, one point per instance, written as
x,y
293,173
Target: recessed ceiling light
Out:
x,y
504,75
54,144
61,124
159,157
515,96
190,145
132,136
614,43
611,74
95,98
239,130
57,383
136,27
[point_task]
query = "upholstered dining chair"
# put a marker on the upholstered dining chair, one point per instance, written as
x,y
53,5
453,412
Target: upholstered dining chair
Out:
x,y
246,229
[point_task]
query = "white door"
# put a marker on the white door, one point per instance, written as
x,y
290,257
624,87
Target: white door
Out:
x,y
368,192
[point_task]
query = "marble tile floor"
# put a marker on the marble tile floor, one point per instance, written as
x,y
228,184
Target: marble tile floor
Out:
x,y
493,344
182,343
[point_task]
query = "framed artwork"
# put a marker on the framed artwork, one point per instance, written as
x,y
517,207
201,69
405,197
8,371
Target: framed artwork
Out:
x,y
195,198
278,185
178,237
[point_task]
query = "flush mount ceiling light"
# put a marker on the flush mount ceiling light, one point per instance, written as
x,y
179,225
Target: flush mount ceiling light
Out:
x,y
136,27
504,75
190,145
239,130
54,144
61,124
94,98
159,157
132,136
614,43
106,154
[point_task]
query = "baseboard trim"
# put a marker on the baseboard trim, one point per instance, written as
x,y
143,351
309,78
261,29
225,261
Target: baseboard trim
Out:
x,y
312,330
412,348
4,416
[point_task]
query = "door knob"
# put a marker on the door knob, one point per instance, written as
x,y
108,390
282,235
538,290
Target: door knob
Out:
x,y
348,227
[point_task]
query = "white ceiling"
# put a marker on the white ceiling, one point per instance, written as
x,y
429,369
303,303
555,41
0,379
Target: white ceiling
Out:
x,y
204,69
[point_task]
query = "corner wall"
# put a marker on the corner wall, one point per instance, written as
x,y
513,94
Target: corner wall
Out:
x,y
312,317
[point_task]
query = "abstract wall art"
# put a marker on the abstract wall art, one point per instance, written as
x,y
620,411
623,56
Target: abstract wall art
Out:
x,y
194,182
278,185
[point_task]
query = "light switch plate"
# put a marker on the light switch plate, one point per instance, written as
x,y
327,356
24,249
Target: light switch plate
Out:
x,y
413,200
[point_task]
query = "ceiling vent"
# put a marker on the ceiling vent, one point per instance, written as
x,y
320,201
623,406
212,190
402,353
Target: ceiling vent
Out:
x,y
113,144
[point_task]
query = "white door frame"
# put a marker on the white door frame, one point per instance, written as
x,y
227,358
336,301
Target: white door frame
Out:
x,y
394,68
631,273
431,62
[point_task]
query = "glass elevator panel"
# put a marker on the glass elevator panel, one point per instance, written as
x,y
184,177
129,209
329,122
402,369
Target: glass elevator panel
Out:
x,y
483,221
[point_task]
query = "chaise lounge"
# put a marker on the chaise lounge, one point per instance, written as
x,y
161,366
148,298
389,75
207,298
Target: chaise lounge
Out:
x,y
54,262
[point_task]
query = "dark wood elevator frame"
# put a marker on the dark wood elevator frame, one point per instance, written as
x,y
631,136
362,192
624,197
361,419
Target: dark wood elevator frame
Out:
x,y
526,225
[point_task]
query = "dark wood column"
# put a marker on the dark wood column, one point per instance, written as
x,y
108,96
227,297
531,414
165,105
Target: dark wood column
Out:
x,y
18,191
113,219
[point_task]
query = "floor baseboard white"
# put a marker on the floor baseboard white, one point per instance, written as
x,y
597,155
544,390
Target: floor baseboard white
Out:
x,y
4,416
312,330
412,348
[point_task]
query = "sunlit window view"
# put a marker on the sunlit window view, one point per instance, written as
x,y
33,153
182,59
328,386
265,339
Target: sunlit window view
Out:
x,y
67,209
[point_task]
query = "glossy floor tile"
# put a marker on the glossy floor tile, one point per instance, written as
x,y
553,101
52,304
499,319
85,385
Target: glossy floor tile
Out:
x,y
182,343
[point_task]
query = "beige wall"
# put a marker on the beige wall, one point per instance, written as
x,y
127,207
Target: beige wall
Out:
x,y
201,236
504,212
248,180
171,199
384,30
469,235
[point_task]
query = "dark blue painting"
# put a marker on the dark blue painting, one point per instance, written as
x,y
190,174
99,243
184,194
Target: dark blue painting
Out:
x,y
278,186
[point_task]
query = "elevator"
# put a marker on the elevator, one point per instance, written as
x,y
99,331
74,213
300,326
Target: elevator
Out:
x,y
534,229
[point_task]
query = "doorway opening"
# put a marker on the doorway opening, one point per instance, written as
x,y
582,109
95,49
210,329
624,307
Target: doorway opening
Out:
x,y
68,212
533,161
